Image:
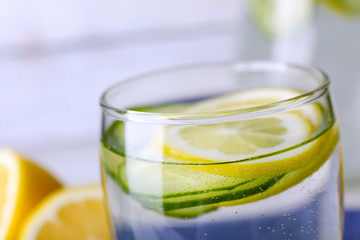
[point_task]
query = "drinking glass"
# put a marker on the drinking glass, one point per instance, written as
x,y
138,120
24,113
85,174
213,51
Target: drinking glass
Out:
x,y
222,151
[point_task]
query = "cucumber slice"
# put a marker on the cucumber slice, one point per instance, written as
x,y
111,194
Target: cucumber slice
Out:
x,y
176,190
208,197
114,138
156,179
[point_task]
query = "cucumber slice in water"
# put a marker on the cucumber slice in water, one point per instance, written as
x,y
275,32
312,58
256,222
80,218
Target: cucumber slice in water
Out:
x,y
177,190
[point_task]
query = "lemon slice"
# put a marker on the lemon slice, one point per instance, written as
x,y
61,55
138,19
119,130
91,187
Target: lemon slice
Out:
x,y
22,186
237,140
262,146
72,213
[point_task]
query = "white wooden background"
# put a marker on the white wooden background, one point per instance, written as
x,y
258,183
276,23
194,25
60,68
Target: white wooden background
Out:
x,y
56,57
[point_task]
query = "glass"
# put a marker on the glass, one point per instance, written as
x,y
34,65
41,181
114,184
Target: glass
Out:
x,y
222,151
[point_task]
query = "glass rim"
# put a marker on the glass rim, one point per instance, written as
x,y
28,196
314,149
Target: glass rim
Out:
x,y
223,115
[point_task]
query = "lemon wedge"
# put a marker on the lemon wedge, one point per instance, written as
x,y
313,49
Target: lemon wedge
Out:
x,y
71,213
22,186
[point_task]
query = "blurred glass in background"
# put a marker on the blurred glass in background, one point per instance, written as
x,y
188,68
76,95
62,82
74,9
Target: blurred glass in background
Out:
x,y
57,57
338,51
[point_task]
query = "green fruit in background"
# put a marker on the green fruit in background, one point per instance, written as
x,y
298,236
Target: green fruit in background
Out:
x,y
347,7
281,18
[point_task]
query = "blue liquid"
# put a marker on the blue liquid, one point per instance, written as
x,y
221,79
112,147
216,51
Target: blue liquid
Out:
x,y
264,228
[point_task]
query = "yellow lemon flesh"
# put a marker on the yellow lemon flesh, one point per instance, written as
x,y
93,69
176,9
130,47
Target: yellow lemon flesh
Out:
x,y
22,186
262,146
72,213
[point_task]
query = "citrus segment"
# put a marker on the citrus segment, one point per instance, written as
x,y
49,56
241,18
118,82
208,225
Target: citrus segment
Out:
x,y
73,213
22,186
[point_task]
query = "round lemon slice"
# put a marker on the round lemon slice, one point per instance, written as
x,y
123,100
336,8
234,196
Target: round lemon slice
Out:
x,y
237,140
275,144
